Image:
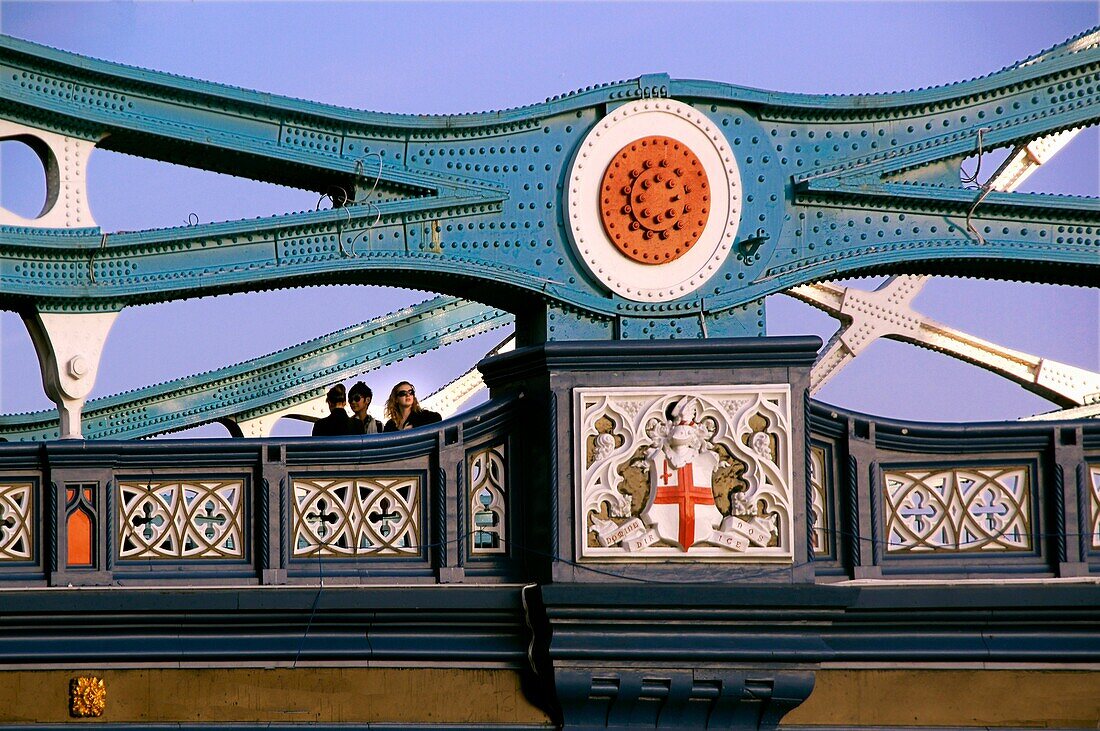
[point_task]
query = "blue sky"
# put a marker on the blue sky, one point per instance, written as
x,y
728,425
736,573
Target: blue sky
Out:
x,y
457,57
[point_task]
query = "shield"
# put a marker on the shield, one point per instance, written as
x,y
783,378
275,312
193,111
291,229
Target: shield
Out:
x,y
681,499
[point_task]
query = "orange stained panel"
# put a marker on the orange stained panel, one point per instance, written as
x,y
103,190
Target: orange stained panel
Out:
x,y
69,493
80,539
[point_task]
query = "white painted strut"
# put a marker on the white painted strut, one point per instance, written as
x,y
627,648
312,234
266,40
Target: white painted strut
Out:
x,y
450,398
1026,159
69,346
65,163
885,312
1088,411
261,426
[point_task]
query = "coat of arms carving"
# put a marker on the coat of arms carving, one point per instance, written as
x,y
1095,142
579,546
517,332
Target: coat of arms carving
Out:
x,y
699,472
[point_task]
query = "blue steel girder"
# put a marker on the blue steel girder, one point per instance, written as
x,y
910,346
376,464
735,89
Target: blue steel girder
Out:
x,y
475,205
271,383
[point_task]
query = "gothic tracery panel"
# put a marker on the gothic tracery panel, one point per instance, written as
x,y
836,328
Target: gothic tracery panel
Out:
x,y
487,501
357,516
684,473
175,519
955,509
1094,483
819,509
17,521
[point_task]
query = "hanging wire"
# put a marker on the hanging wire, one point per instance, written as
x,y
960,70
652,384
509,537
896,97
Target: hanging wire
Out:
x,y
340,236
971,179
365,233
970,227
360,166
91,257
360,172
316,599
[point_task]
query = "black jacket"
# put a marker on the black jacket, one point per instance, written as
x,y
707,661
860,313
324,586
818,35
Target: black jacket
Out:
x,y
421,418
336,424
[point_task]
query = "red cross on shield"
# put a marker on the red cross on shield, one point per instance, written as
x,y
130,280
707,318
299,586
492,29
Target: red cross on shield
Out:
x,y
681,500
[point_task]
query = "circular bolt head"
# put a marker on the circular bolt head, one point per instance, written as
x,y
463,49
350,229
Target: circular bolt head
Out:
x,y
78,366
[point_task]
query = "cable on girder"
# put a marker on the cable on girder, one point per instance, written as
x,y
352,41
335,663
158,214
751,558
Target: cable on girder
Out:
x,y
972,179
986,187
985,191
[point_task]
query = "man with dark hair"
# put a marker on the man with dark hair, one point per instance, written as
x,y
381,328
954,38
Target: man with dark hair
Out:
x,y
359,397
337,423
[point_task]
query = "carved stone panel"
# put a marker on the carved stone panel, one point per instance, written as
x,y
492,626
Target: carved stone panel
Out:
x,y
957,509
1094,483
176,519
699,472
357,516
17,521
487,500
819,508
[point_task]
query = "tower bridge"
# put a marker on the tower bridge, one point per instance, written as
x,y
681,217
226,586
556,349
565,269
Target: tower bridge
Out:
x,y
651,523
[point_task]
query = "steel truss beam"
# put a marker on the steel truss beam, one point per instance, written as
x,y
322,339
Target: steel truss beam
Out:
x,y
843,185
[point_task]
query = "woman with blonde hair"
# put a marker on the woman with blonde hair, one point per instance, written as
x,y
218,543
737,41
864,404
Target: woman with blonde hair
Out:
x,y
403,410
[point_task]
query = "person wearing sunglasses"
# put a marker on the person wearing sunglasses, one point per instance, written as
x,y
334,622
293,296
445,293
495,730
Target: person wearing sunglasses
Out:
x,y
337,423
404,412
359,398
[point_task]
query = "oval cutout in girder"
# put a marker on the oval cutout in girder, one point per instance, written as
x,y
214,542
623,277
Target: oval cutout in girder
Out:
x,y
24,177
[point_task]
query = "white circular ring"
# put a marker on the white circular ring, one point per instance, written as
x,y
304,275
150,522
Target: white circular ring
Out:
x,y
622,275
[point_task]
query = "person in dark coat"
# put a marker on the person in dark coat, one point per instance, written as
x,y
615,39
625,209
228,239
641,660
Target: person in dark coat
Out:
x,y
404,412
337,423
359,398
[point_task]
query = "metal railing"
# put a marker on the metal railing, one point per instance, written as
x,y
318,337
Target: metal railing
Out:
x,y
892,498
425,506
886,499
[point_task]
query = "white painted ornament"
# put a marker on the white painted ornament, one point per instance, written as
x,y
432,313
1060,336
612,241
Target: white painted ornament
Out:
x,y
653,282
674,445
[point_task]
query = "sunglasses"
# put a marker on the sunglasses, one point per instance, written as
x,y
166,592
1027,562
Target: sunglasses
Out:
x,y
409,392
356,398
